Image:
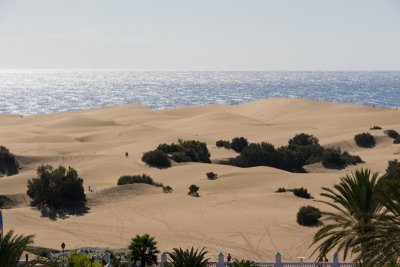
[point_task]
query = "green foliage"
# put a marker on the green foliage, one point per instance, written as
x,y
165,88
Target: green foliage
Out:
x,y
308,216
242,263
77,259
134,179
11,247
144,249
392,133
303,139
301,192
281,190
55,188
211,175
223,143
376,128
194,190
167,189
356,205
186,258
238,144
391,263
8,162
156,158
365,140
393,170
334,159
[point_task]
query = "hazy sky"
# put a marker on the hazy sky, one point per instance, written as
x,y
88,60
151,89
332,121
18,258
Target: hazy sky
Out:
x,y
201,35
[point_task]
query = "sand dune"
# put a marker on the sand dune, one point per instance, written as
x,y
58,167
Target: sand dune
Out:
x,y
238,213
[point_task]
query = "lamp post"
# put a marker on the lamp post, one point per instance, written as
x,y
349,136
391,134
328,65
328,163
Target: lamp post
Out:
x,y
63,247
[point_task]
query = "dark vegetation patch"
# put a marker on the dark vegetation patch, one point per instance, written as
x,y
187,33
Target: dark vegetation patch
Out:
x,y
184,151
156,158
8,162
223,143
238,144
194,190
309,216
41,251
301,192
366,140
211,175
4,201
397,140
302,149
392,133
335,159
57,191
142,179
376,128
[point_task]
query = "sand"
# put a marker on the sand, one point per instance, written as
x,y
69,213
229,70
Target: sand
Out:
x,y
238,213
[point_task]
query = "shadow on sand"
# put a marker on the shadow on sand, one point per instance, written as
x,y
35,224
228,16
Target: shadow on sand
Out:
x,y
64,212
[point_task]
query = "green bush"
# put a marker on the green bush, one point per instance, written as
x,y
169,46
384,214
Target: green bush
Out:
x,y
156,158
242,263
223,143
135,179
334,159
303,139
186,258
392,133
301,192
194,190
55,188
393,170
8,162
281,190
211,175
167,189
76,259
365,140
376,128
144,249
238,144
308,216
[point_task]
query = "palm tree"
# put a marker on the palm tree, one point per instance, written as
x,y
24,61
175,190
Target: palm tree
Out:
x,y
143,248
11,247
357,207
185,258
384,243
242,263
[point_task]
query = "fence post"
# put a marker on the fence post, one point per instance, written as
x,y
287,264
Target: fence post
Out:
x,y
278,260
163,259
335,260
221,260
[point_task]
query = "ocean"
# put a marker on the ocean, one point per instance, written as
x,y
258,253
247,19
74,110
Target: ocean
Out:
x,y
38,92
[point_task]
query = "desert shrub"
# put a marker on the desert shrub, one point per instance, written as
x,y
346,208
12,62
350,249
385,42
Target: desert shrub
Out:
x,y
256,155
308,216
167,189
365,140
55,188
392,133
8,162
281,190
376,128
301,192
397,140
135,179
76,259
211,175
169,149
303,139
334,159
223,143
238,144
41,251
156,158
393,170
194,190
181,157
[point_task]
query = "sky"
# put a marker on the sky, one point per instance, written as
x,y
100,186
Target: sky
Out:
x,y
200,34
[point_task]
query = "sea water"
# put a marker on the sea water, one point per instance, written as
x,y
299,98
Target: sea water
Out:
x,y
36,92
